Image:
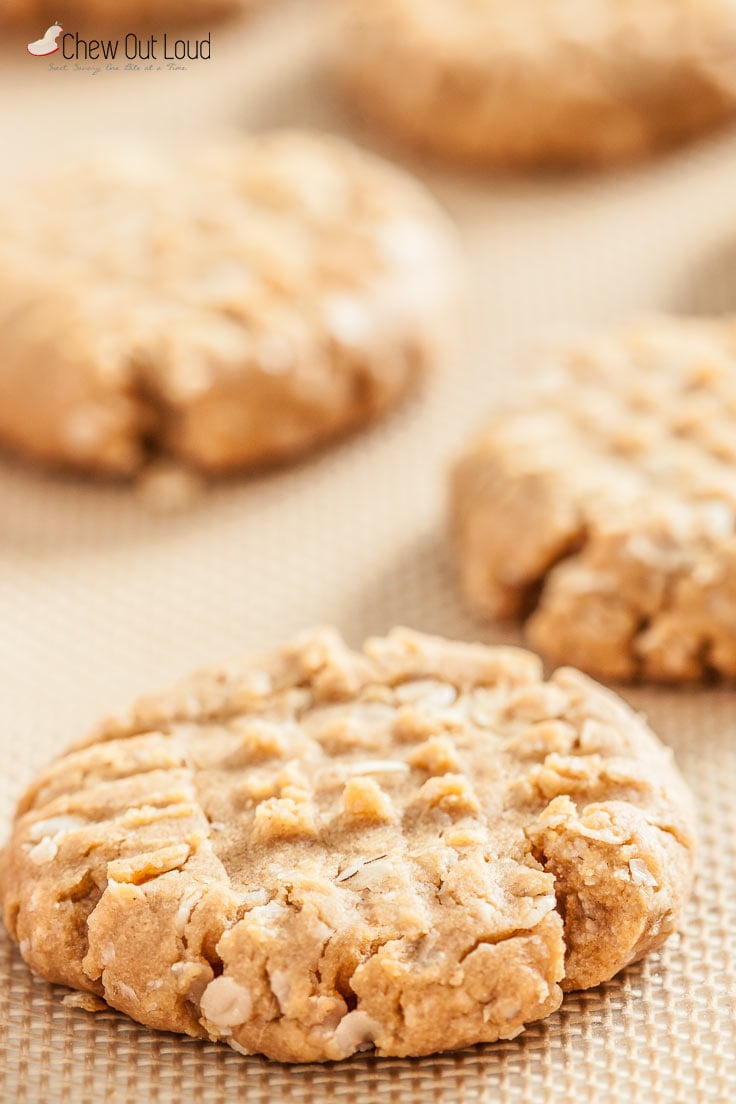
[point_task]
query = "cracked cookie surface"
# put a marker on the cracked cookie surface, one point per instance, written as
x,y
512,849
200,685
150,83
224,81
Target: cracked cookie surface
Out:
x,y
416,847
607,496
566,82
231,307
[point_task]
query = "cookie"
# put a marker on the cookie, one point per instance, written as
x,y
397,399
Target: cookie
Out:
x,y
315,851
567,82
229,306
604,502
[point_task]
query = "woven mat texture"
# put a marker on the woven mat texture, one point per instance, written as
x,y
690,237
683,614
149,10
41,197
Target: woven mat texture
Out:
x,y
101,599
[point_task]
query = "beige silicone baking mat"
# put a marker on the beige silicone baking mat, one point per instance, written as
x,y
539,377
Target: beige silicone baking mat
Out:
x,y
100,598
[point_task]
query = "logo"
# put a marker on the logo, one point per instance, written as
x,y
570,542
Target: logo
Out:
x,y
128,52
42,47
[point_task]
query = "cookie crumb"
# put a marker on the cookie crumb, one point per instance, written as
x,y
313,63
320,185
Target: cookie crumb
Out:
x,y
88,1002
168,488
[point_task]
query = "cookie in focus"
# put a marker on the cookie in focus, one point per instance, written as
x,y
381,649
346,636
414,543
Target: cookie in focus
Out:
x,y
315,851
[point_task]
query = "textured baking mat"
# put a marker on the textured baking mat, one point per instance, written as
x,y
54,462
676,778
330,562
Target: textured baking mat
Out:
x,y
100,598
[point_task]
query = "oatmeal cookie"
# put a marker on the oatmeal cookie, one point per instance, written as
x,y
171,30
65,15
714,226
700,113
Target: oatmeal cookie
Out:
x,y
524,83
315,851
606,498
228,307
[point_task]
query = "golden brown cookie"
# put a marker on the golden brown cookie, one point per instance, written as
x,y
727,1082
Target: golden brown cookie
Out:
x,y
415,847
526,82
230,306
606,498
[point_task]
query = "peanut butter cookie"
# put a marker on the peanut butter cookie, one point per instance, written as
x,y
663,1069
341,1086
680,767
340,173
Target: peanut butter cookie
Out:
x,y
607,499
230,307
530,82
315,851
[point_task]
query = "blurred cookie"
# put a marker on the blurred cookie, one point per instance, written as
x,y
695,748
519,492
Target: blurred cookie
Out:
x,y
232,306
607,497
318,851
561,82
